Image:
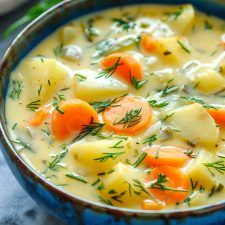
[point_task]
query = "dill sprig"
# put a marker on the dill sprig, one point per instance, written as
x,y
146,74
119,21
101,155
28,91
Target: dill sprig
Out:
x,y
89,31
137,84
90,129
23,144
131,118
80,77
109,71
17,87
217,165
158,104
56,102
207,25
109,155
34,105
31,14
216,189
101,106
160,184
76,177
191,154
140,159
105,201
150,139
139,187
58,50
126,25
54,164
200,101
168,90
118,144
185,48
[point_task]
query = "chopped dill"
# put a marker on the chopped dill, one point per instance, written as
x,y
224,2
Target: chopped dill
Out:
x,y
76,177
109,155
185,48
150,139
140,159
131,118
17,87
219,166
58,50
34,105
109,71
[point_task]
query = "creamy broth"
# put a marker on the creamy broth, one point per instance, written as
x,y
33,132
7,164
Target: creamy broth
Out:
x,y
181,56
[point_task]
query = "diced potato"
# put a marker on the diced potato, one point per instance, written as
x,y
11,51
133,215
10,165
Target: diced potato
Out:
x,y
184,21
93,89
198,172
68,33
173,49
86,153
121,182
207,81
195,124
45,75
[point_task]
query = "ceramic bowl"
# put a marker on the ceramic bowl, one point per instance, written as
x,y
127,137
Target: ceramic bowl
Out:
x,y
71,209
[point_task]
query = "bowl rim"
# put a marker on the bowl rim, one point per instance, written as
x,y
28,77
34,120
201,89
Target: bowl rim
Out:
x,y
63,194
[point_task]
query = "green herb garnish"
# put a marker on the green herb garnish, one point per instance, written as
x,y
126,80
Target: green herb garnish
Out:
x,y
76,177
34,105
56,102
217,165
136,83
16,89
185,48
131,118
58,50
124,24
108,72
158,104
90,129
54,165
140,159
109,155
168,90
150,140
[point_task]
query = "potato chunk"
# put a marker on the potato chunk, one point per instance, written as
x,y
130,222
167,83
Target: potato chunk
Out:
x,y
92,89
184,20
120,185
208,81
45,73
173,49
198,172
195,124
88,154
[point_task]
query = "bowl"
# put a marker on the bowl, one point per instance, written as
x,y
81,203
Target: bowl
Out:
x,y
70,209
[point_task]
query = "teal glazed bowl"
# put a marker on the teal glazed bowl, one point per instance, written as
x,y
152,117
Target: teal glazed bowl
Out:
x,y
70,209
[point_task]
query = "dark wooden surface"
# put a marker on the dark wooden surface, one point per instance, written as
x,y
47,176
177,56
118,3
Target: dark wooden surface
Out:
x,y
16,207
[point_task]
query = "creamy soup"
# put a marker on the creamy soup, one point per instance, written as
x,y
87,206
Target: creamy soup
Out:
x,y
126,107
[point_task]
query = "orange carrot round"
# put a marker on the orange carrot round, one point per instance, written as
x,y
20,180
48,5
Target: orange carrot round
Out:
x,y
74,114
218,115
148,43
166,156
148,204
41,114
127,66
175,179
131,116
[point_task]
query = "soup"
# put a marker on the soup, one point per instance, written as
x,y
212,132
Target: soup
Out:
x,y
126,107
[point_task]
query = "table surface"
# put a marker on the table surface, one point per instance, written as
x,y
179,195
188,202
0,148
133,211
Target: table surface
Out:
x,y
16,207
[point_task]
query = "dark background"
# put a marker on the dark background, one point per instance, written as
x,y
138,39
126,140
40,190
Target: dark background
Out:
x,y
16,207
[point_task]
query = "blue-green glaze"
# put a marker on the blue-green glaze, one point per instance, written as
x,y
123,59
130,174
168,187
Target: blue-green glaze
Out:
x,y
70,209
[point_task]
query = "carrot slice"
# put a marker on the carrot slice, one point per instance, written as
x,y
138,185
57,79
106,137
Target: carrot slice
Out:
x,y
218,115
148,204
41,114
76,113
132,115
166,156
148,43
127,66
175,179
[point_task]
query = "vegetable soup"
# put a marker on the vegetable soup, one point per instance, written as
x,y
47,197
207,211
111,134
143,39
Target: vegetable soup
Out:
x,y
126,107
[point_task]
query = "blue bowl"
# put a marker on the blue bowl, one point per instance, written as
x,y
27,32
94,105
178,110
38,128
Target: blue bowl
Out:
x,y
71,209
